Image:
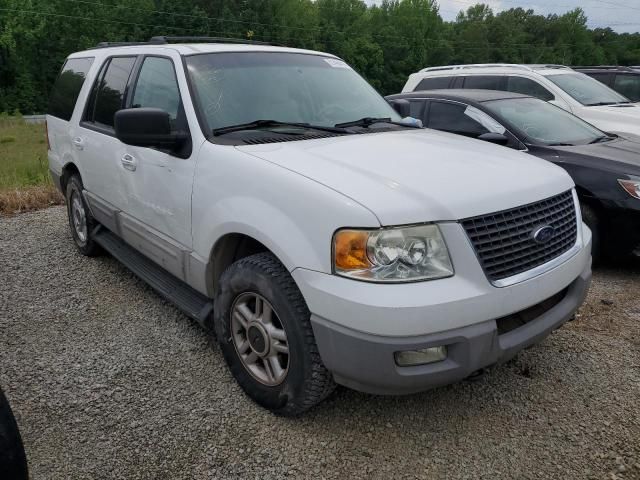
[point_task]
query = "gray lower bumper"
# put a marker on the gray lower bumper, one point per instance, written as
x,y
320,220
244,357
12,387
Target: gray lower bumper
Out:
x,y
366,362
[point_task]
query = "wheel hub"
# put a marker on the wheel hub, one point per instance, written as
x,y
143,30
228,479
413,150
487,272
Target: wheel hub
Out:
x,y
259,338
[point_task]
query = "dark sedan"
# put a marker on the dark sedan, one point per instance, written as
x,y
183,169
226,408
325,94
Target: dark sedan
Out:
x,y
604,166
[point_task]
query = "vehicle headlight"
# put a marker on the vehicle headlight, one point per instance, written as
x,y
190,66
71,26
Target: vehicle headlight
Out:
x,y
631,186
399,254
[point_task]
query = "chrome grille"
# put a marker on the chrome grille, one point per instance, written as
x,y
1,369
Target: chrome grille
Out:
x,y
504,242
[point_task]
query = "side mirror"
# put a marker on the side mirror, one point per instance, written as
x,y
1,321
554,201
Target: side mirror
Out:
x,y
401,106
497,138
147,127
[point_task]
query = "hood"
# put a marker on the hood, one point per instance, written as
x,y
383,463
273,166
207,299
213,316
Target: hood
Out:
x,y
613,118
413,176
621,155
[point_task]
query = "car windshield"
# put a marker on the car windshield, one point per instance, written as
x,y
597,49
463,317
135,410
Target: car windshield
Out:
x,y
544,123
237,88
586,90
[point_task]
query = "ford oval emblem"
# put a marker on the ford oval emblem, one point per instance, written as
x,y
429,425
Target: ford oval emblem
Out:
x,y
542,235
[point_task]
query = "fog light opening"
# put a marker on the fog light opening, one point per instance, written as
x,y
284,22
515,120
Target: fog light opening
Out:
x,y
424,356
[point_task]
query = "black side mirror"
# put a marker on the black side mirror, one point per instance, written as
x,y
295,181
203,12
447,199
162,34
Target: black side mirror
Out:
x,y
497,138
401,106
147,127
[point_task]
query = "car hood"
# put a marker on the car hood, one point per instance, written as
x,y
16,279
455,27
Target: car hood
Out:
x,y
413,176
623,118
622,154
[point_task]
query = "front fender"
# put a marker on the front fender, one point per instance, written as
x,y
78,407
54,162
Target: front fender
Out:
x,y
292,215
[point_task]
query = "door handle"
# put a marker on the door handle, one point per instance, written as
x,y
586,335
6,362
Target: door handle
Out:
x,y
129,162
78,143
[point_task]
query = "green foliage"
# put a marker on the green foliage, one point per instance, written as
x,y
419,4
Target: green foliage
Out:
x,y
384,42
23,154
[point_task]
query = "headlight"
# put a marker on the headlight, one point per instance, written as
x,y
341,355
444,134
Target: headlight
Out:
x,y
401,254
631,186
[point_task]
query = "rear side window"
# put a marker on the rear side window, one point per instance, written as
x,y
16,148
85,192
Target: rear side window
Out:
x,y
108,92
628,85
527,86
434,83
484,82
67,87
451,117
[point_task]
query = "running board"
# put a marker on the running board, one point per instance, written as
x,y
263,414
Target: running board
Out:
x,y
190,301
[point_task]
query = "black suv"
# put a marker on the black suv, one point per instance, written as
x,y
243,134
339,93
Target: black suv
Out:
x,y
624,80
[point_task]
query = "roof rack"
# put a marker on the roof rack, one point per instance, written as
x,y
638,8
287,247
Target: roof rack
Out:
x,y
164,40
476,65
187,39
606,67
530,67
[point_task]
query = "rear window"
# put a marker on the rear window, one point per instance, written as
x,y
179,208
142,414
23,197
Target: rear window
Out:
x,y
67,87
433,83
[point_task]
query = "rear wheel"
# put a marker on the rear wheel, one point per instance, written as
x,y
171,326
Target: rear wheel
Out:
x,y
263,326
81,221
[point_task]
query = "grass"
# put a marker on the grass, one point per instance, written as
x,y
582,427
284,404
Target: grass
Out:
x,y
25,183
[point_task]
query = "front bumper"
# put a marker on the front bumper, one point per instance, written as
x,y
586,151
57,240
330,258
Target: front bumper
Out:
x,y
366,362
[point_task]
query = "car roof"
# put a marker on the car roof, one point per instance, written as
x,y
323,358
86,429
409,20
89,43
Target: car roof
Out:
x,y
466,95
192,48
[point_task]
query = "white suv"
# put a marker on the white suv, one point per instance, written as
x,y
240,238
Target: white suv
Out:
x,y
277,199
576,92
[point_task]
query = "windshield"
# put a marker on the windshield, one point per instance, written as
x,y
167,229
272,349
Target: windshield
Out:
x,y
587,90
544,123
237,88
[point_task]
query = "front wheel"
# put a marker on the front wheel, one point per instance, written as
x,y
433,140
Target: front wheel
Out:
x,y
263,326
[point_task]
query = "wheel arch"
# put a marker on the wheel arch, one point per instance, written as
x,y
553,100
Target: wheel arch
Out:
x,y
70,169
228,249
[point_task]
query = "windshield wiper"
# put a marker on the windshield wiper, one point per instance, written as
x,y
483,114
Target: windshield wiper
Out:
x,y
604,138
368,121
602,104
257,124
560,144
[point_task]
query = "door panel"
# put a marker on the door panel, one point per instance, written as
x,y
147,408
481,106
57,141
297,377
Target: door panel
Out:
x,y
94,140
157,183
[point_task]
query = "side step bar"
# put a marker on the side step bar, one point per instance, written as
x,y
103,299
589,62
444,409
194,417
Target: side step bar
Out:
x,y
190,301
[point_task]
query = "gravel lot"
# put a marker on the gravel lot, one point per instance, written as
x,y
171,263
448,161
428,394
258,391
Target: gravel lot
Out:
x,y
109,381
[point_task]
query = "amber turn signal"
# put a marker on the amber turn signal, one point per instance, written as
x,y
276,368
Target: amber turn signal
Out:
x,y
350,247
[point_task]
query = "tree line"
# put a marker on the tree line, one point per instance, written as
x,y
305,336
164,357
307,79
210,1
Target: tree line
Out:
x,y
384,42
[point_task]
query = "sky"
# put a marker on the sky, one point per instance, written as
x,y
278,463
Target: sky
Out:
x,y
620,15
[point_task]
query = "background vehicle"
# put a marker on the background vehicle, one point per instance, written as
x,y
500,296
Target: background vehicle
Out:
x,y
605,167
13,461
319,236
624,80
573,91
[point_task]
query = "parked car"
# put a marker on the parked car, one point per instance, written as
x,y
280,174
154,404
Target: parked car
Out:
x,y
624,80
322,239
573,91
13,460
604,166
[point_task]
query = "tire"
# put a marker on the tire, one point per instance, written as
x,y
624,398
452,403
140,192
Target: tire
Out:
x,y
249,289
81,222
13,461
592,220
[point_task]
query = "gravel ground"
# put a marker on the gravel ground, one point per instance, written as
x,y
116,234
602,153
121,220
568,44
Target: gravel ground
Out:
x,y
109,381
